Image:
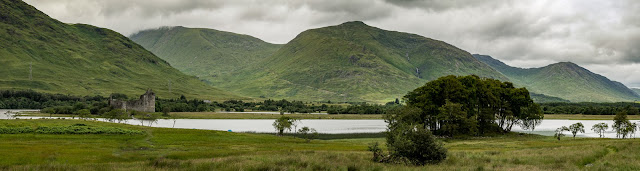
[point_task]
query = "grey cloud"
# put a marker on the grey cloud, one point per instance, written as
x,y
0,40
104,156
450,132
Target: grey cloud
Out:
x,y
442,5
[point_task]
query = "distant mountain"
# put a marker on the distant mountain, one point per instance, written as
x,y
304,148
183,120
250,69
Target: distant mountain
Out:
x,y
637,90
81,59
565,80
350,61
205,53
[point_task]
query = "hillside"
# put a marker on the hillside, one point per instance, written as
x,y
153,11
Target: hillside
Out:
x,y
637,90
565,80
350,62
80,59
205,53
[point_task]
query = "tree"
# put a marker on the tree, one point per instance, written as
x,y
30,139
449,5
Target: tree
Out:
x,y
600,128
283,123
377,152
84,113
622,125
166,111
308,133
116,115
575,128
560,132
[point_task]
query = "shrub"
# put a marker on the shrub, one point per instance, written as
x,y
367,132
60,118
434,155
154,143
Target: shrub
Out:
x,y
414,144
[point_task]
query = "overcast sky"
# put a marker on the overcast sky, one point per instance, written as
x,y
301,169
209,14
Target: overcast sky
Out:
x,y
600,35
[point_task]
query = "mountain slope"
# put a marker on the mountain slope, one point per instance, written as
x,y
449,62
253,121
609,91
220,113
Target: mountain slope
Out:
x,y
352,62
205,53
565,80
81,59
637,90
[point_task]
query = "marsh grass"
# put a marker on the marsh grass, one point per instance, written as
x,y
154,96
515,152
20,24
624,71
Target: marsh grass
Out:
x,y
185,149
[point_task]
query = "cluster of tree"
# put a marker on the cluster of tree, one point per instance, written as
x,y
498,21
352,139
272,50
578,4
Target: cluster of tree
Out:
x,y
621,125
449,106
468,105
588,108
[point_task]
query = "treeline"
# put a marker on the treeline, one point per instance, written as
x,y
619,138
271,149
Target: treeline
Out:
x,y
29,99
588,108
98,105
184,105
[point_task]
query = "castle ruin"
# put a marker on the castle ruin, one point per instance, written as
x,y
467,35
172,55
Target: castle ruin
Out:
x,y
146,103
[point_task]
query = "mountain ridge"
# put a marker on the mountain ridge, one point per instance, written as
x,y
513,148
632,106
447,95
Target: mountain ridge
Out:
x,y
46,55
352,62
580,84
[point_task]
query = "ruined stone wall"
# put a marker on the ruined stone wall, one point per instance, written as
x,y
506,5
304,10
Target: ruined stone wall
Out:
x,y
146,103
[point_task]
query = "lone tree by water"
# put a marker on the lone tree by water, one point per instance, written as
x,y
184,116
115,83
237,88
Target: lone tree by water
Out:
x,y
283,123
560,132
621,124
575,128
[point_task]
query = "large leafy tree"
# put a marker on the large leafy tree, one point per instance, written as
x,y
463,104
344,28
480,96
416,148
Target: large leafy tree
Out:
x,y
480,105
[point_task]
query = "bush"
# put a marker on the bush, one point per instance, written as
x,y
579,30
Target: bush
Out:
x,y
415,145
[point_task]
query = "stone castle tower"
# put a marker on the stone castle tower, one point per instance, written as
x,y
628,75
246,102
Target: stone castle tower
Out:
x,y
146,103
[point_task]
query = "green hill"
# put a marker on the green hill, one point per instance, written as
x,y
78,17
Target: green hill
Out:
x,y
565,80
351,62
637,90
205,53
80,59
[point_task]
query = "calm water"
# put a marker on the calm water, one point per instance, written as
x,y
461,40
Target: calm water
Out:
x,y
547,127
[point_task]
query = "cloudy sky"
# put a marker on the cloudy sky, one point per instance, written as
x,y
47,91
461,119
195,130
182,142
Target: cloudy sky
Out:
x,y
602,36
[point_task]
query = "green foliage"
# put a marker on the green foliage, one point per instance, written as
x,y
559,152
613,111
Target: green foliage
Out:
x,y
564,80
621,124
600,128
308,133
83,113
72,129
377,152
283,123
118,115
560,132
589,108
469,105
80,59
575,128
413,144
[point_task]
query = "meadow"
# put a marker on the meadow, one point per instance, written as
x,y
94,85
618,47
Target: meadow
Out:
x,y
186,149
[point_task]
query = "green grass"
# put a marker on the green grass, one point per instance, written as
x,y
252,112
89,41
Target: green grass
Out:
x,y
565,80
81,59
185,149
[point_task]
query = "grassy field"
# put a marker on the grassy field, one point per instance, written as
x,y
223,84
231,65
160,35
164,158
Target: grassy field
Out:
x,y
171,149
